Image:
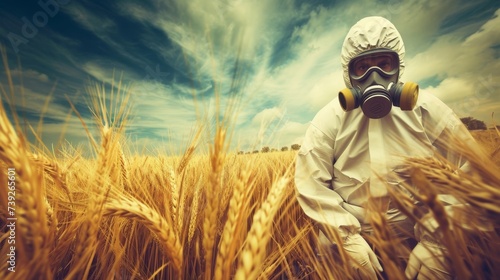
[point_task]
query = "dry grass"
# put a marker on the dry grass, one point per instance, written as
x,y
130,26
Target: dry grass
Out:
x,y
219,215
490,140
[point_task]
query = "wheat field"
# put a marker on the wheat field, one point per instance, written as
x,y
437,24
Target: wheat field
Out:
x,y
214,215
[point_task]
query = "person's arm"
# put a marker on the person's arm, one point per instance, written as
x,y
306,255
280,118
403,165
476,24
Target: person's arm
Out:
x,y
444,128
313,182
318,199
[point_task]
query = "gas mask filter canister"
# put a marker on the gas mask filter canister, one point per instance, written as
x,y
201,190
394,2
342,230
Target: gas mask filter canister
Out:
x,y
374,76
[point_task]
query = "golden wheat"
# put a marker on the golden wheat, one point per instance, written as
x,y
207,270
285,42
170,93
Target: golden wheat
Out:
x,y
253,254
227,245
139,212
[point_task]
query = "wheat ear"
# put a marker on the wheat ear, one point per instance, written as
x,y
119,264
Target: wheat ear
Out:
x,y
252,257
226,251
124,168
195,208
179,195
139,212
172,179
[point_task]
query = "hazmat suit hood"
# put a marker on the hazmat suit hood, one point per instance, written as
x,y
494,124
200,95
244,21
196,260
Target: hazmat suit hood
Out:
x,y
367,34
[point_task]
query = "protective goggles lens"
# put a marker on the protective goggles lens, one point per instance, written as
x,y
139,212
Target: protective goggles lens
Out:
x,y
385,60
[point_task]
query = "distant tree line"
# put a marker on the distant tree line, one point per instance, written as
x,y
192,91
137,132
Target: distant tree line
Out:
x,y
266,149
473,124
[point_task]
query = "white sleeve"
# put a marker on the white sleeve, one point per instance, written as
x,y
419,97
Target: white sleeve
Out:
x,y
313,183
443,126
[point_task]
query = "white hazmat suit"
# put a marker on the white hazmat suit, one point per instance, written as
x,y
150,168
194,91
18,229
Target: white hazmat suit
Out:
x,y
344,153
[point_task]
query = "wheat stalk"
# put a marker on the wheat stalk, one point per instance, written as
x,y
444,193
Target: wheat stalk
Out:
x,y
282,257
384,239
105,172
431,176
217,156
469,188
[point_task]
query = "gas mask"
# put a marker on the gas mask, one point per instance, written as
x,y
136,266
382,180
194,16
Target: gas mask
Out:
x,y
374,77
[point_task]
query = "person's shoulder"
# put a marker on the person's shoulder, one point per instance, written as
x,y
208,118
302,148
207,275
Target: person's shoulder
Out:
x,y
427,96
431,102
329,117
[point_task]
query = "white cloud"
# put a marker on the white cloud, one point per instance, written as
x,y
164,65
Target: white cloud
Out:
x,y
325,90
292,133
452,89
467,66
266,122
468,98
419,21
303,81
267,116
100,73
33,102
30,74
435,61
89,20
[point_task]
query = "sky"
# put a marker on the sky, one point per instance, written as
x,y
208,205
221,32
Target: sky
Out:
x,y
275,63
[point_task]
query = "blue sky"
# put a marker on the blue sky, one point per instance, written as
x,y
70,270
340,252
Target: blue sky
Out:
x,y
279,58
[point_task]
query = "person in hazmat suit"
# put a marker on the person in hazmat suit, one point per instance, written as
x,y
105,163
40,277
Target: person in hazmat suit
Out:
x,y
363,135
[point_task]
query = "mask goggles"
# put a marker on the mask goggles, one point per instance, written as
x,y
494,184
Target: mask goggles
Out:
x,y
387,62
